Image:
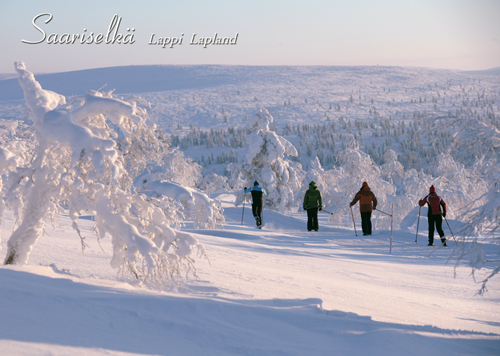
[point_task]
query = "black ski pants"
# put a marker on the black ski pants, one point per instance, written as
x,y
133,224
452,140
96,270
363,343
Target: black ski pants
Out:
x,y
437,220
257,213
312,219
366,222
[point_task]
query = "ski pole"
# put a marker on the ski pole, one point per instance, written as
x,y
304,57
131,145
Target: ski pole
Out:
x,y
243,212
326,211
392,221
450,230
418,223
380,211
352,214
262,211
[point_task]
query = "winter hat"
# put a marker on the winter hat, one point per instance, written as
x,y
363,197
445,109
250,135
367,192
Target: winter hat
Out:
x,y
313,184
432,189
255,183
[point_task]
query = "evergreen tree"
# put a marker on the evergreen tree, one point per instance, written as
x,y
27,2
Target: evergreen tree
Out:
x,y
266,163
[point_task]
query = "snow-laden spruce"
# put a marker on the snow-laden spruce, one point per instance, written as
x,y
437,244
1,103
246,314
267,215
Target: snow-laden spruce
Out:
x,y
78,163
266,163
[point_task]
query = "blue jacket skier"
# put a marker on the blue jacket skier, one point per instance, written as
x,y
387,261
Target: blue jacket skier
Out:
x,y
257,193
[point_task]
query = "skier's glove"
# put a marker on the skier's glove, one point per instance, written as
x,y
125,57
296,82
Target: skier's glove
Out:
x,y
320,208
245,188
444,215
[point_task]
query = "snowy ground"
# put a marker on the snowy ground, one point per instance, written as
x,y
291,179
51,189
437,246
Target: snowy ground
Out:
x,y
276,291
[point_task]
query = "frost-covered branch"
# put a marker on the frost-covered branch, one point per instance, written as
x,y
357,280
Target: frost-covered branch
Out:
x,y
482,220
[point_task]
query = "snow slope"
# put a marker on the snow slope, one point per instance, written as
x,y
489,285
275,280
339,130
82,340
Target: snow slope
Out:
x,y
129,79
276,291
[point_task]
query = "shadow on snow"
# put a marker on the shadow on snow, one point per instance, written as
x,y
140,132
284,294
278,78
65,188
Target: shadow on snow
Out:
x,y
40,309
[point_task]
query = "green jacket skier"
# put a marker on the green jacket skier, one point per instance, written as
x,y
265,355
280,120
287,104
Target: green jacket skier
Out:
x,y
312,203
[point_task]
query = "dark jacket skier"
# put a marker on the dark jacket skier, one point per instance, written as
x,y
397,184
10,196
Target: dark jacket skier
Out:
x,y
366,199
257,193
434,215
312,203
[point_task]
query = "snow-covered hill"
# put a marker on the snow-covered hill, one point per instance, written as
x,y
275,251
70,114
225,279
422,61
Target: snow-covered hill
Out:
x,y
380,106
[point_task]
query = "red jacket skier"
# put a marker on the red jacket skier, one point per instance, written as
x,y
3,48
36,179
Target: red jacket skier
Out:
x,y
435,215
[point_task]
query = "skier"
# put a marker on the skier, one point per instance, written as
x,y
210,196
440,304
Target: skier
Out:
x,y
434,215
366,199
257,193
312,203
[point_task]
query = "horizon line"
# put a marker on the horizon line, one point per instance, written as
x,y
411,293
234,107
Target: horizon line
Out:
x,y
268,65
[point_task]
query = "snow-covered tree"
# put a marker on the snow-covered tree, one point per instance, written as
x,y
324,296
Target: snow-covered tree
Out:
x,y
325,180
206,213
14,151
179,169
214,183
416,184
458,184
393,171
80,162
266,163
357,167
482,220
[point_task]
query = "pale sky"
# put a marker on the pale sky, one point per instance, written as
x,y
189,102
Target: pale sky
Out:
x,y
453,34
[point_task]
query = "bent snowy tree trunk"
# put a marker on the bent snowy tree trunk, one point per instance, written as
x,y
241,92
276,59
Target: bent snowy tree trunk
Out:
x,y
28,232
41,182
43,190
